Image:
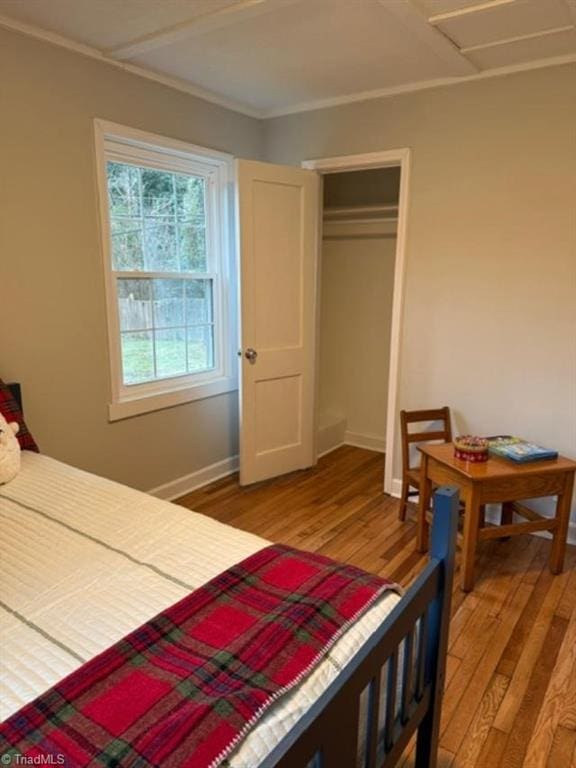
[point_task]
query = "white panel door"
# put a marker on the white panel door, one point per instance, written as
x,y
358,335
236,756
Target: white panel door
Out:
x,y
277,210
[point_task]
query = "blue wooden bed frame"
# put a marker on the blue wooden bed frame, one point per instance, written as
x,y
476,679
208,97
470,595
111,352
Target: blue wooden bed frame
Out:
x,y
407,654
409,648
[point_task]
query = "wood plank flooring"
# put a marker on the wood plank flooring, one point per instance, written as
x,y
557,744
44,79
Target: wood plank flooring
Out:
x,y
510,699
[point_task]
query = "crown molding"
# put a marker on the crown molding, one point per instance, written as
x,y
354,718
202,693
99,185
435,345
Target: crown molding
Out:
x,y
423,85
86,50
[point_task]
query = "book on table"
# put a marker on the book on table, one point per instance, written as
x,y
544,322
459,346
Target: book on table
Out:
x,y
519,450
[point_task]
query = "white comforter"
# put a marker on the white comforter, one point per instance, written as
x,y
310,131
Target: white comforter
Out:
x,y
85,561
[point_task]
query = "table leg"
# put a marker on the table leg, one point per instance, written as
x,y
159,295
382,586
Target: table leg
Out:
x,y
482,518
507,513
507,516
423,505
470,538
563,505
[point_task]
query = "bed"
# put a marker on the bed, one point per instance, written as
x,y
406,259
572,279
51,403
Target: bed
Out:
x,y
86,560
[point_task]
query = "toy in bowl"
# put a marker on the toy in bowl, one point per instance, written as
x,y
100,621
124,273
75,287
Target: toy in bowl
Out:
x,y
471,448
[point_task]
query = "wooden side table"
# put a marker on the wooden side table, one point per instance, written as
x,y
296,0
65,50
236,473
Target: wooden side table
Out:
x,y
498,481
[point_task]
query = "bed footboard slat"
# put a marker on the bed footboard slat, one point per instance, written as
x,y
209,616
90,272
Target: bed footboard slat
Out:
x,y
407,677
421,656
373,720
391,686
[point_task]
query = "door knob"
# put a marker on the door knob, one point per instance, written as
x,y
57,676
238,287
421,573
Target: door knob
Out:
x,y
251,355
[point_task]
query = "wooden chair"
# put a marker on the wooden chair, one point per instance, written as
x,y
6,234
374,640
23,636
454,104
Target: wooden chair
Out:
x,y
411,475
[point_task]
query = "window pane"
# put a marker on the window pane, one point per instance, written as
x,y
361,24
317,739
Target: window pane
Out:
x,y
199,302
171,352
160,244
157,219
127,250
135,304
168,303
200,348
137,357
192,244
190,194
157,193
124,189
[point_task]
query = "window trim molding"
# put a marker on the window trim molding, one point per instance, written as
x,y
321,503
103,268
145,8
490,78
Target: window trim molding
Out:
x,y
166,393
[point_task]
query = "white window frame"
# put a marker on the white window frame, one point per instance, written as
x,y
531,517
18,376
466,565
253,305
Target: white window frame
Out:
x,y
121,144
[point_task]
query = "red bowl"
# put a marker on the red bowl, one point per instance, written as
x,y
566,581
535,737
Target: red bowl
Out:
x,y
476,457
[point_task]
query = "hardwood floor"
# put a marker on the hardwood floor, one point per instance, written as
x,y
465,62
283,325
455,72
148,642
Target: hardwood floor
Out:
x,y
510,698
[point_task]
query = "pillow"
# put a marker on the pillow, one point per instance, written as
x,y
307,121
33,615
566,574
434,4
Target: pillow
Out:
x,y
10,409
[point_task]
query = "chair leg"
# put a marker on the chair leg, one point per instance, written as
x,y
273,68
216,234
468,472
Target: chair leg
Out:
x,y
403,501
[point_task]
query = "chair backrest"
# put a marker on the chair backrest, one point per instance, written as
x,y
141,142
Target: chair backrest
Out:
x,y
417,417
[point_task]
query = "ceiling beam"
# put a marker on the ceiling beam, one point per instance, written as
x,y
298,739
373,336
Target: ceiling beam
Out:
x,y
459,12
207,22
517,39
417,23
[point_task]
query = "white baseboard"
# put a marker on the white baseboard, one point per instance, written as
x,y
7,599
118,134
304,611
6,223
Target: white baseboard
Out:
x,y
334,434
370,442
492,514
330,436
329,450
183,485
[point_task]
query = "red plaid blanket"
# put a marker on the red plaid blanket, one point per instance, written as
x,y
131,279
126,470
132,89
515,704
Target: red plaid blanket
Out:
x,y
186,687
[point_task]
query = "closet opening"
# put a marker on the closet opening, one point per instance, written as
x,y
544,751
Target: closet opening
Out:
x,y
361,277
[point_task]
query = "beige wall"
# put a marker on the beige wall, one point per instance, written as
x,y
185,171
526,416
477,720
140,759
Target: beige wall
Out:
x,y
53,325
355,317
489,324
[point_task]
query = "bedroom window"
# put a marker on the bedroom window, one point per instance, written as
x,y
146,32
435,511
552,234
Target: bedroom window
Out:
x,y
164,216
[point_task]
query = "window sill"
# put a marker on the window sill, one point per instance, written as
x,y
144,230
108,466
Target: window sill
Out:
x,y
124,409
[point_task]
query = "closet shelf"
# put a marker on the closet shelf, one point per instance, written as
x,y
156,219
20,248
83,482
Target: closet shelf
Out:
x,y
358,213
348,229
364,220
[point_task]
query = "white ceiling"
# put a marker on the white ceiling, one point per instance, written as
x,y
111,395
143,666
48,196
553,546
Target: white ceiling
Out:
x,y
277,56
